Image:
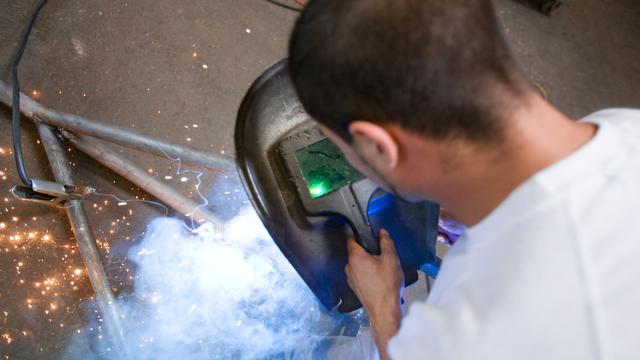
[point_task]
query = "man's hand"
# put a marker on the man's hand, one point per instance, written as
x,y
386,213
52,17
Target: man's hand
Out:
x,y
377,280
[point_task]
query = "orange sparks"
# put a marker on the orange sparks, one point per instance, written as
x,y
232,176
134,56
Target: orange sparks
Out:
x,y
49,282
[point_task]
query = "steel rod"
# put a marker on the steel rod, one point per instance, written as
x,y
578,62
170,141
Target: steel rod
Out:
x,y
84,237
118,135
140,177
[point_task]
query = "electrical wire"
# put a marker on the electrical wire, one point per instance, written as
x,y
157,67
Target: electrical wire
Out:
x,y
283,5
15,100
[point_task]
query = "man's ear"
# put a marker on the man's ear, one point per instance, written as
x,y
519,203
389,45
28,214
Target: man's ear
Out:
x,y
375,143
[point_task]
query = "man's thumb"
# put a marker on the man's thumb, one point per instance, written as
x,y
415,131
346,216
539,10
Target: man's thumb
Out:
x,y
386,243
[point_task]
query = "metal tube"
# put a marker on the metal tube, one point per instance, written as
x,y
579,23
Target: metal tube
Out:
x,y
118,135
138,176
86,243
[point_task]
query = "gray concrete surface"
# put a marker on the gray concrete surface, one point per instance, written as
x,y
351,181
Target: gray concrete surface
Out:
x,y
160,67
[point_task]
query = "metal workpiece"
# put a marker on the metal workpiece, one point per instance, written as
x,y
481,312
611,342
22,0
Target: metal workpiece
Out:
x,y
118,135
86,242
132,172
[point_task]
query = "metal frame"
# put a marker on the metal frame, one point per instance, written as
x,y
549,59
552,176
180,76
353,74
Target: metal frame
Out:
x,y
83,134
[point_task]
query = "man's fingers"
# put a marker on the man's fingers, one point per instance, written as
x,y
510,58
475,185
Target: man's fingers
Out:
x,y
347,272
386,243
353,247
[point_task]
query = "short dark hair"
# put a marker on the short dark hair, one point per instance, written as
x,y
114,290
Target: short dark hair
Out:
x,y
438,67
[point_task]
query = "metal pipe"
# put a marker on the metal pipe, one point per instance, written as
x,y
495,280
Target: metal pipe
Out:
x,y
118,135
138,176
86,243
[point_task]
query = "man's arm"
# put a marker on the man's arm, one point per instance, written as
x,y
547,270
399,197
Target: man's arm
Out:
x,y
377,280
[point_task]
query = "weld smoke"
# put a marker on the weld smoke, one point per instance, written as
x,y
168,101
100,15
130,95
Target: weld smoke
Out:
x,y
202,295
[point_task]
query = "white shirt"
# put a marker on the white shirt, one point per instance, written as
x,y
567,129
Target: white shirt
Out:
x,y
553,272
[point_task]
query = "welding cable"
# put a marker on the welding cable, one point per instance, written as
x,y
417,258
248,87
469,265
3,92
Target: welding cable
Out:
x,y
15,100
283,5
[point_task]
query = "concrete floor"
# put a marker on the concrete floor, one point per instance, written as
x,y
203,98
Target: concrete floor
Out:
x,y
160,67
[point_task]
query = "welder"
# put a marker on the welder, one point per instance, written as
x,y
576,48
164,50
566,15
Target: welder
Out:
x,y
425,98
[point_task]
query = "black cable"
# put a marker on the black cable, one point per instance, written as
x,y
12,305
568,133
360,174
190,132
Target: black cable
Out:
x,y
283,5
15,100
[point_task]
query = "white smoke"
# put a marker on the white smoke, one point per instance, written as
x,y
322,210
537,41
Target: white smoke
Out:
x,y
202,295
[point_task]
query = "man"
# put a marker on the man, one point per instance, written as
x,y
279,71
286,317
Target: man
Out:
x,y
423,96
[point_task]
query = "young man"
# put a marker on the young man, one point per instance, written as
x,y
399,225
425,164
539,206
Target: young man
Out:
x,y
423,96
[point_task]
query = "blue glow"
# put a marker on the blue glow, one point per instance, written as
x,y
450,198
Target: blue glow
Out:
x,y
432,268
383,213
379,203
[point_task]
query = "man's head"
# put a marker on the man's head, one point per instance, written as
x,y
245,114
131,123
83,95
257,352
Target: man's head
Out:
x,y
387,76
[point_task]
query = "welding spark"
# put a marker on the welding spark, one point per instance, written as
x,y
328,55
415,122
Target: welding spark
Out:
x,y
45,295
